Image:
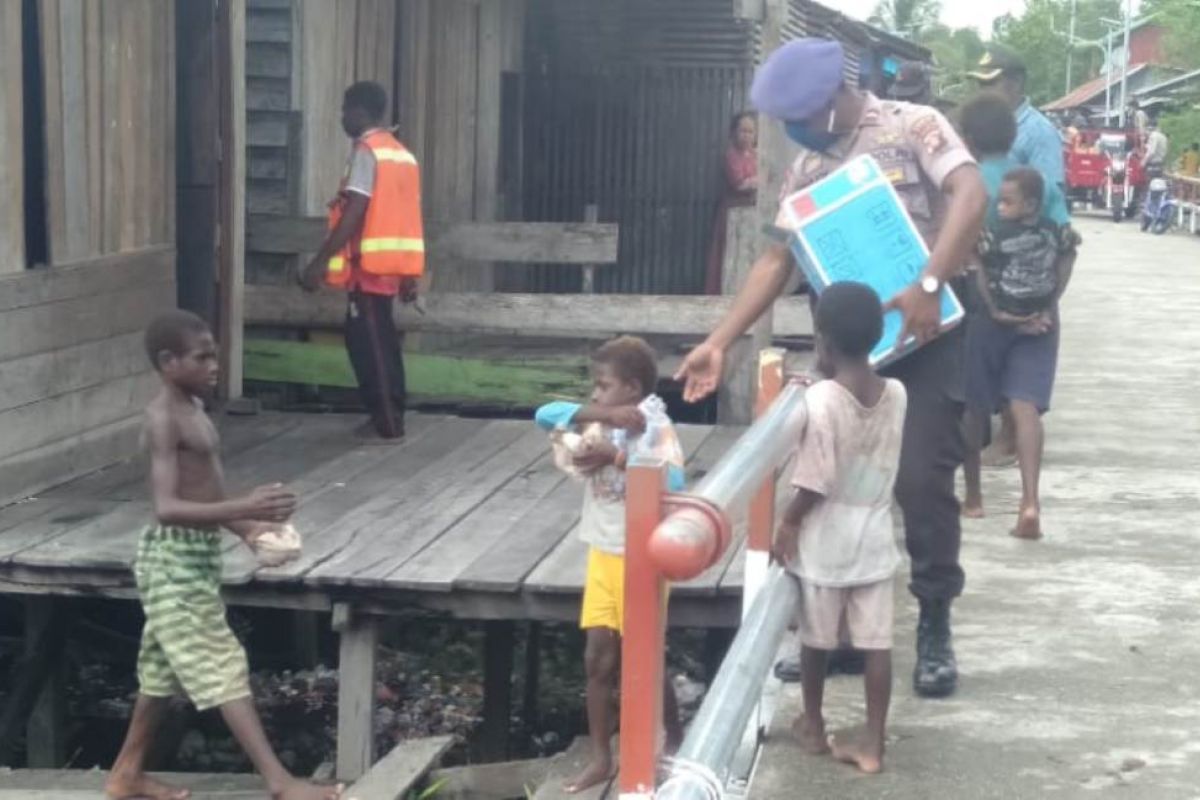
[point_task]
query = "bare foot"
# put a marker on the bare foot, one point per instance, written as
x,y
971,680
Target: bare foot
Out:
x,y
868,758
129,787
303,790
1029,524
972,509
811,735
593,774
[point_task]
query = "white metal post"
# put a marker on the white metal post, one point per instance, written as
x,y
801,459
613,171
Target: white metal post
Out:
x,y
1125,59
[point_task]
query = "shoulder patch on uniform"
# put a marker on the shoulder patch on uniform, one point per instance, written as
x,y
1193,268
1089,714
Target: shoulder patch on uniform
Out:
x,y
927,129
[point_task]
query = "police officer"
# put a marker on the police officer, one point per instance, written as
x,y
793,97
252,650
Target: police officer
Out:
x,y
801,84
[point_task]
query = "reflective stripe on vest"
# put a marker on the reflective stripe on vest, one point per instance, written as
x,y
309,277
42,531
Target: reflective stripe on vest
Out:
x,y
397,156
392,245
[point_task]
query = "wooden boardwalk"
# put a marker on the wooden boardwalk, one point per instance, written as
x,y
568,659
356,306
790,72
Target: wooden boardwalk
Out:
x,y
467,516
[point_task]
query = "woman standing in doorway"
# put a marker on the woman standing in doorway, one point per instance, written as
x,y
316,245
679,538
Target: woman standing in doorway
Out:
x,y
740,189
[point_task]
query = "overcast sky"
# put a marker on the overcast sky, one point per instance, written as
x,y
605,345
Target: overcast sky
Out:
x,y
955,13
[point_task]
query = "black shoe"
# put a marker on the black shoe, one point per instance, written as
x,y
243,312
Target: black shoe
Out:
x,y
788,669
844,661
936,673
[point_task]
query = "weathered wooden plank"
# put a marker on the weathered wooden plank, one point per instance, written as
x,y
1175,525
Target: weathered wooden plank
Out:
x,y
332,490
564,568
235,134
43,328
12,142
569,314
418,528
39,423
34,470
121,478
526,242
52,112
112,195
566,766
421,494
87,278
268,164
267,128
268,25
358,641
330,521
267,94
44,375
92,780
399,770
522,545
269,61
436,567
501,781
109,542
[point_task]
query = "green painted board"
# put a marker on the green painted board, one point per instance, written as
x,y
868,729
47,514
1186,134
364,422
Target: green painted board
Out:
x,y
513,381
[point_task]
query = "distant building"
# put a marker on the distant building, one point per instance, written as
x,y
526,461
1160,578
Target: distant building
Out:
x,y
1147,67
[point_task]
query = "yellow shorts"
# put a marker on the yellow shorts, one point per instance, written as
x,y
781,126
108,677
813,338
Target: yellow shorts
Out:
x,y
604,592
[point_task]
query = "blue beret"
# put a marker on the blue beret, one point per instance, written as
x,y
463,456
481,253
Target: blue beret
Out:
x,y
798,79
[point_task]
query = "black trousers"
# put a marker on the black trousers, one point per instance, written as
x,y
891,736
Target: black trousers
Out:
x,y
933,450
374,347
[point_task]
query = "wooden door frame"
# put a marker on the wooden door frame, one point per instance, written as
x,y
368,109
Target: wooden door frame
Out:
x,y
231,241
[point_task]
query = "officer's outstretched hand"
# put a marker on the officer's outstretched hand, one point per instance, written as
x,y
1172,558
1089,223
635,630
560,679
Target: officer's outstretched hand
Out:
x,y
701,372
921,311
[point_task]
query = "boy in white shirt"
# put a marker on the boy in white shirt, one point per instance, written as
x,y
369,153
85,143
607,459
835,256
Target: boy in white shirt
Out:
x,y
836,535
624,419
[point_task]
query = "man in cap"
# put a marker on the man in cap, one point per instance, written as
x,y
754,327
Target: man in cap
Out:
x,y
1038,143
912,84
801,84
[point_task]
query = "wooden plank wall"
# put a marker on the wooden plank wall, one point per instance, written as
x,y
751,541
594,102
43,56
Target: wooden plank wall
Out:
x,y
74,374
12,154
110,143
453,54
338,44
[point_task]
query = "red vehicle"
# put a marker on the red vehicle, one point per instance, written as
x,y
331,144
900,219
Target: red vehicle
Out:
x,y
1126,180
1104,168
1087,169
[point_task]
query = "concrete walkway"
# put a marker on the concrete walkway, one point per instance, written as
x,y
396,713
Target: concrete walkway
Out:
x,y
1080,654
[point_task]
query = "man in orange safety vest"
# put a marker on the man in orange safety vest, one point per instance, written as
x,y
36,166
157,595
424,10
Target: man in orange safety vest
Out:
x,y
375,250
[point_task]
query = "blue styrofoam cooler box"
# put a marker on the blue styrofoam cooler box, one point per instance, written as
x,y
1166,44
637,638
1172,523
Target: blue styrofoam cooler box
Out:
x,y
852,226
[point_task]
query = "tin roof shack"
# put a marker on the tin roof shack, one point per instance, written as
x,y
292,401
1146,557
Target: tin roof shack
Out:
x,y
87,231
567,147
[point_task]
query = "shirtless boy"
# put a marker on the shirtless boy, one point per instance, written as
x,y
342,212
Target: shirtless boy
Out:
x,y
187,645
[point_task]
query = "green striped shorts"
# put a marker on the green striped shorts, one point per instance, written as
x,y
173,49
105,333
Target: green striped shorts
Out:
x,y
187,645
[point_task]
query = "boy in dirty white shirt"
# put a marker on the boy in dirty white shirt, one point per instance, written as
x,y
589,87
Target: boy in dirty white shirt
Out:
x,y
836,535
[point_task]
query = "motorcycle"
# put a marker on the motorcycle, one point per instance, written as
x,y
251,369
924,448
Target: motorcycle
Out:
x,y
1158,212
1119,188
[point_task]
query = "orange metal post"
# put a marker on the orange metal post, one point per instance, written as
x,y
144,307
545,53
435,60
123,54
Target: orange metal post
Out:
x,y
761,524
643,643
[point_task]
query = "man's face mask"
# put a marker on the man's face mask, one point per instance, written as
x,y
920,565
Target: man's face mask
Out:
x,y
802,133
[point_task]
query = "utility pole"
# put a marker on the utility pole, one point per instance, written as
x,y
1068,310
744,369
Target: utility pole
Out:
x,y
1071,48
1125,59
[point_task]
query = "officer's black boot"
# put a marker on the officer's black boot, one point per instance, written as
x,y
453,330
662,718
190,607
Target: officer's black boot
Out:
x,y
936,673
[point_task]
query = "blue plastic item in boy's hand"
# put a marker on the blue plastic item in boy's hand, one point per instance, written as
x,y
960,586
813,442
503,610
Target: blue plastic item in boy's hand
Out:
x,y
852,226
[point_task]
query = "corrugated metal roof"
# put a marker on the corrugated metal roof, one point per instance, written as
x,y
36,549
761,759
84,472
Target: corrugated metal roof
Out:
x,y
1089,91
